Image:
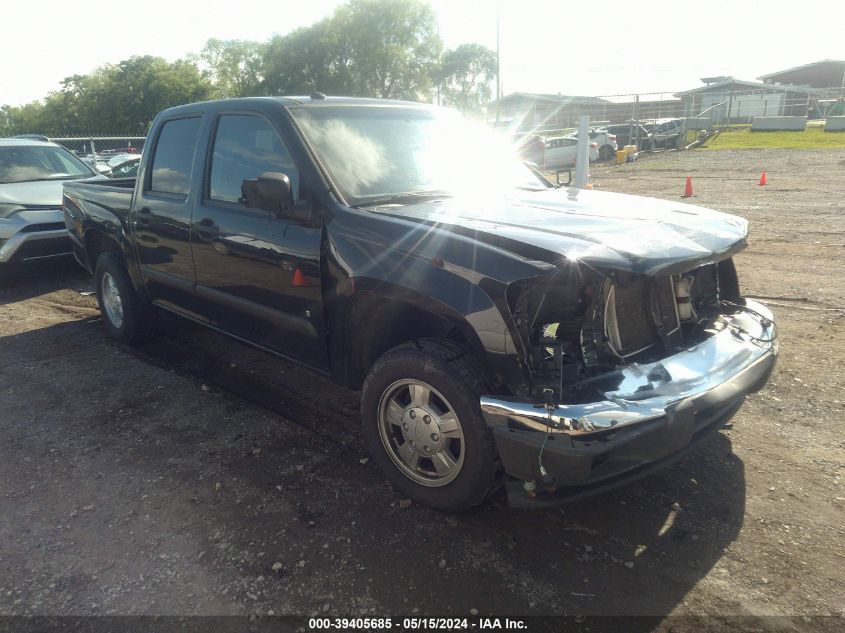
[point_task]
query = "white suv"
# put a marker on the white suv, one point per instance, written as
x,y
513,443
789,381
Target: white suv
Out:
x,y
561,152
605,143
32,225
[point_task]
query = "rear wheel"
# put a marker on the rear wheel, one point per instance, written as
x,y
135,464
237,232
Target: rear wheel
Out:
x,y
606,153
127,316
423,425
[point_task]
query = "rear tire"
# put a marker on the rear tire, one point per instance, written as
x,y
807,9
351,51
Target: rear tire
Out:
x,y
423,427
606,153
128,317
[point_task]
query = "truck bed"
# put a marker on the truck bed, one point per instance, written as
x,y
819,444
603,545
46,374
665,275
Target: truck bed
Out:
x,y
101,206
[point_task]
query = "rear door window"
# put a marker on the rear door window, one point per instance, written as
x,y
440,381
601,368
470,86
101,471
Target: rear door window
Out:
x,y
174,156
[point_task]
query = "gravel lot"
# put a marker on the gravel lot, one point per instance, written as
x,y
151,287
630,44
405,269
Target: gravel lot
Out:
x,y
194,475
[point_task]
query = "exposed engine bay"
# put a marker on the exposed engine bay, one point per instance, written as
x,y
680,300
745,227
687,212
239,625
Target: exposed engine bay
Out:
x,y
580,326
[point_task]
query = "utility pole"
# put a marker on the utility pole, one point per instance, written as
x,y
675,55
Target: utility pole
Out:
x,y
498,70
582,161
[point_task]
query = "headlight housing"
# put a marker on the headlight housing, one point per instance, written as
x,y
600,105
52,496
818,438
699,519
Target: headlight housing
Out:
x,y
7,209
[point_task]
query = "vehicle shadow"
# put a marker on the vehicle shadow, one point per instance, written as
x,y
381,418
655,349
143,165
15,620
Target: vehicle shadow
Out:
x,y
298,490
22,282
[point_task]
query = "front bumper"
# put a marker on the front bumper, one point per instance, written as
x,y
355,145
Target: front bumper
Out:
x,y
657,412
33,235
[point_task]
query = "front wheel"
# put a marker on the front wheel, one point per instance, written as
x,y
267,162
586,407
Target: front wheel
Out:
x,y
423,425
127,316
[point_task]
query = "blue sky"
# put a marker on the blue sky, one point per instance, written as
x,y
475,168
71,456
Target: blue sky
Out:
x,y
547,46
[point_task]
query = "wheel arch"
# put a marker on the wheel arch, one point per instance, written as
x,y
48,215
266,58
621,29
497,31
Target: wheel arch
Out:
x,y
375,321
98,240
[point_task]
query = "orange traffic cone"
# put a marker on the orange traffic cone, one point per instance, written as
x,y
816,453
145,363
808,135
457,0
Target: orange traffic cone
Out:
x,y
762,179
299,279
688,188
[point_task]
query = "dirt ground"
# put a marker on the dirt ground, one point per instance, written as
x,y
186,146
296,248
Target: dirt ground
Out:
x,y
194,475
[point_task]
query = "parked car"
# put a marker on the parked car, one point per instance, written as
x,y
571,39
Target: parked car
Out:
x,y
562,152
108,155
664,133
500,328
97,163
629,134
32,226
125,166
605,142
33,137
531,147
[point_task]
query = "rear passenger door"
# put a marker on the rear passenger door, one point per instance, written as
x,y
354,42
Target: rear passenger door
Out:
x,y
258,275
161,214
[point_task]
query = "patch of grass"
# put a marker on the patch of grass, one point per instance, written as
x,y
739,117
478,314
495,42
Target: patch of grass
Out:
x,y
744,138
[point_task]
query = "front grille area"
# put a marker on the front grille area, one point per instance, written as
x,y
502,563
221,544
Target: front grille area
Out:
x,y
577,331
46,226
628,322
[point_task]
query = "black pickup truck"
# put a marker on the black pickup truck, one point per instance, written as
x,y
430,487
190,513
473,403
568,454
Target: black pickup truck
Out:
x,y
501,329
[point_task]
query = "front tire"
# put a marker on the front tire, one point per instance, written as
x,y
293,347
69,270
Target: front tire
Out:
x,y
128,317
423,427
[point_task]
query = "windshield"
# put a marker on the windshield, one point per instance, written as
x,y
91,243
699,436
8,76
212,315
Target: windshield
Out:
x,y
25,163
398,154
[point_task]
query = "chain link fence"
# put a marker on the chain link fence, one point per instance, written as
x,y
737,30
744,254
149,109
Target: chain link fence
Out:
x,y
109,155
695,112
101,146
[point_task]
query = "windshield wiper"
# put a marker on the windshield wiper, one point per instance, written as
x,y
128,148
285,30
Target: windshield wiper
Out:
x,y
409,197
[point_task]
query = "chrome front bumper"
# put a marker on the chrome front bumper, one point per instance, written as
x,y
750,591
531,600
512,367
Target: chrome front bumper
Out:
x,y
744,345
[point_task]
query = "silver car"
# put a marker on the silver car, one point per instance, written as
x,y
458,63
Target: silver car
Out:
x,y
32,226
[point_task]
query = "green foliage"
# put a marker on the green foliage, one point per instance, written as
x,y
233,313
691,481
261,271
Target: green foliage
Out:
x,y
366,48
392,46
464,77
121,98
235,67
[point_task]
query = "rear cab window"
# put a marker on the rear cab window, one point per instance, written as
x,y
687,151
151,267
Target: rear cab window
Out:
x,y
174,156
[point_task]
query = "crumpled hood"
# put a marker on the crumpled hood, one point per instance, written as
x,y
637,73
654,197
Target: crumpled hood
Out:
x,y
607,230
41,193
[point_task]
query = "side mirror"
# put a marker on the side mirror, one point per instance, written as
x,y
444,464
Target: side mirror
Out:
x,y
271,191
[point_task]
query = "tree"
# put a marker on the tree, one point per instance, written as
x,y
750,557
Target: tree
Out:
x,y
464,77
308,59
22,119
367,48
393,46
235,66
117,98
129,95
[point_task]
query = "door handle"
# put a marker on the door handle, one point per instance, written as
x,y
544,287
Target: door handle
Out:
x,y
145,211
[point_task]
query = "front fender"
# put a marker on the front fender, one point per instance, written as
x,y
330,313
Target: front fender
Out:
x,y
448,275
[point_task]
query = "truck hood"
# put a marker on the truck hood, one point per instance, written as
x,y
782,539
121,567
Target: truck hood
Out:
x,y
603,229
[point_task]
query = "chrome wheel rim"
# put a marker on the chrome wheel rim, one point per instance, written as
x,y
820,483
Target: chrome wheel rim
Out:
x,y
421,432
111,300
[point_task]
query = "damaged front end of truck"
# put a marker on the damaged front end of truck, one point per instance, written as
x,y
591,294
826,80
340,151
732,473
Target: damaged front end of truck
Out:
x,y
630,369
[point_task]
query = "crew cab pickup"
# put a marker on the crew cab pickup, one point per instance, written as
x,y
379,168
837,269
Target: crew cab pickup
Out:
x,y
501,329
